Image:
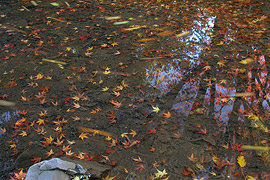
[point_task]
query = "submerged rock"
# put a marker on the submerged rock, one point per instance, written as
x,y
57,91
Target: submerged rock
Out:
x,y
54,169
65,169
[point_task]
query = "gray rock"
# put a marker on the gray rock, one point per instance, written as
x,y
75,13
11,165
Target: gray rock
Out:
x,y
54,169
57,163
53,175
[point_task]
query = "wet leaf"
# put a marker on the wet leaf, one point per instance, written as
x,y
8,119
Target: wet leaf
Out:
x,y
160,174
83,135
55,4
120,22
246,61
165,33
244,94
241,161
167,115
155,109
115,103
108,178
183,34
146,39
113,18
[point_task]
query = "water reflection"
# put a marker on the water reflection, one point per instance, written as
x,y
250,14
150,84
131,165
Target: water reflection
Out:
x,y
162,76
7,116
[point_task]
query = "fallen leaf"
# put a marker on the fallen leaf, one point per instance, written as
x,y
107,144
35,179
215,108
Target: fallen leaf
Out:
x,y
165,33
246,61
241,161
167,115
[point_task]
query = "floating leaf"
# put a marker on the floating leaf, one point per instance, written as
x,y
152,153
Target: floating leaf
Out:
x,y
55,4
155,109
132,28
244,94
113,18
241,161
183,34
259,148
146,39
165,33
246,61
121,22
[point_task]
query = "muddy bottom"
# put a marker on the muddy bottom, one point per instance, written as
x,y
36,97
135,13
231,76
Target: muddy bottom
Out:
x,y
153,90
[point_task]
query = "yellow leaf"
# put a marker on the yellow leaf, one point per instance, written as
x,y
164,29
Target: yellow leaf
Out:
x,y
182,34
155,109
220,43
160,174
108,178
250,178
133,133
246,61
165,33
105,89
241,161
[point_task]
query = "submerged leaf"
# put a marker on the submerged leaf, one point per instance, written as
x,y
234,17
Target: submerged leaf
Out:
x,y
246,61
241,161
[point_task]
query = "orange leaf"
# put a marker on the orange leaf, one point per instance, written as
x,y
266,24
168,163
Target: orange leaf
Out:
x,y
167,115
146,39
115,103
95,131
19,175
165,33
83,135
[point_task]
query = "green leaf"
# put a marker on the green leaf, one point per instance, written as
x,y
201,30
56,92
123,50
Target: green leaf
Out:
x,y
55,4
121,22
155,109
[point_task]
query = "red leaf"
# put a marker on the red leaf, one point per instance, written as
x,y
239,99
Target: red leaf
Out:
x,y
203,131
139,167
23,112
109,151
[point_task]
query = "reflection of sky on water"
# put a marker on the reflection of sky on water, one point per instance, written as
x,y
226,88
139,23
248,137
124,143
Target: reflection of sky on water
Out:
x,y
223,105
162,76
7,116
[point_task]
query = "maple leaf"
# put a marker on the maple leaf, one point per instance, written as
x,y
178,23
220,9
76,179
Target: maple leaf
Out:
x,y
83,135
139,167
105,89
49,153
137,160
167,115
69,153
116,93
133,133
23,133
36,159
203,131
160,174
192,158
40,121
152,149
23,112
241,161
19,175
155,109
108,178
43,101
152,131
58,142
47,141
115,103
111,116
114,44
76,105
